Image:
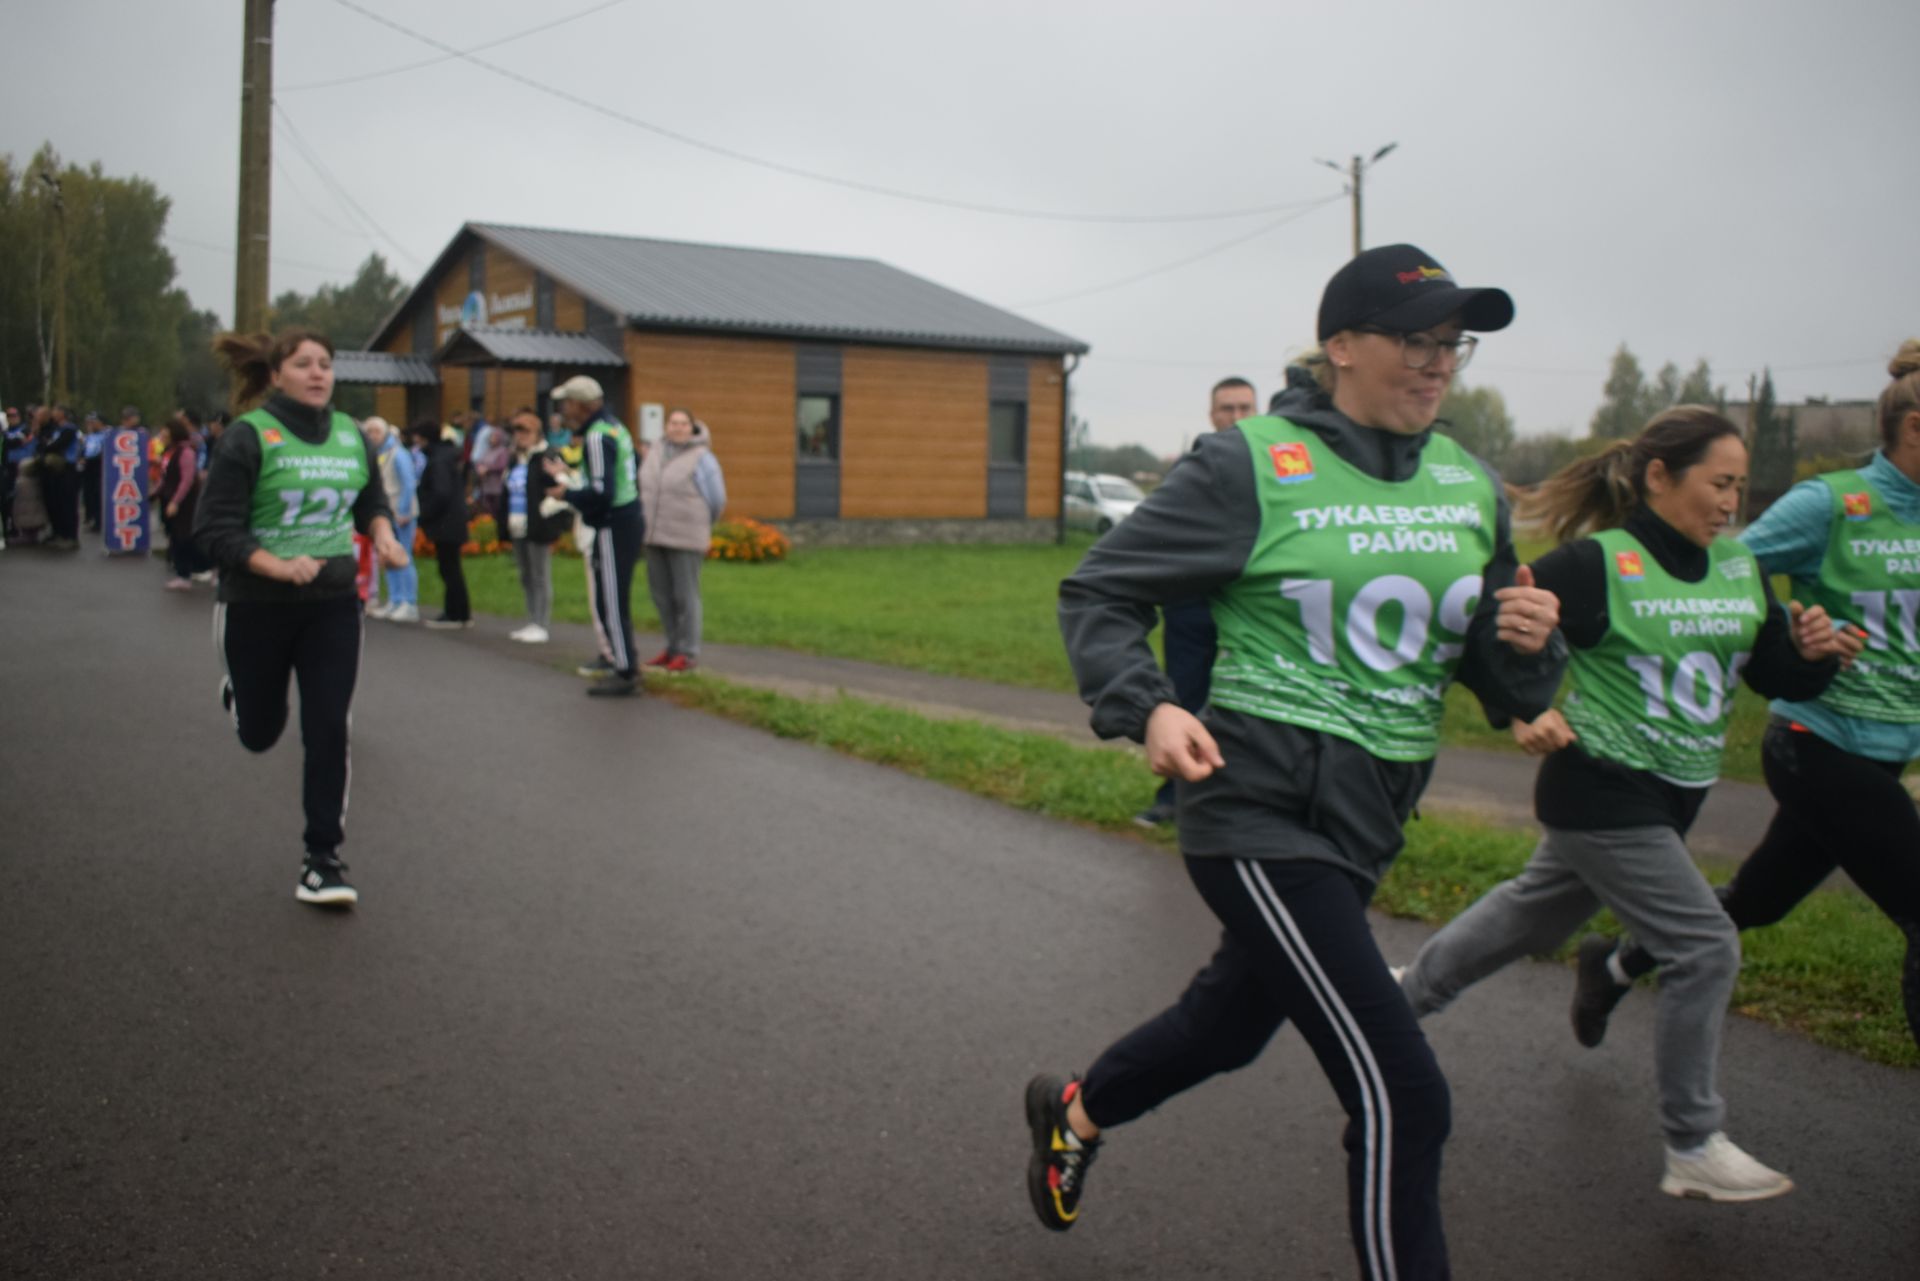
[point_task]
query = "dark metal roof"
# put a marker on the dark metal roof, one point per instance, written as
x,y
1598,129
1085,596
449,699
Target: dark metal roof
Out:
x,y
493,344
668,284
383,369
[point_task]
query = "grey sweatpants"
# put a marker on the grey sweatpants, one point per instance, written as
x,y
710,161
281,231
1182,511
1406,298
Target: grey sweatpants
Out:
x,y
1646,876
535,562
673,580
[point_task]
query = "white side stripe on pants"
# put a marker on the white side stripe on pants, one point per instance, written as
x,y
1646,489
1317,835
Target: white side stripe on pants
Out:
x,y
610,602
1376,1211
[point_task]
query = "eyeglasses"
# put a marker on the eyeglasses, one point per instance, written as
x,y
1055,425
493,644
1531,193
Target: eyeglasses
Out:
x,y
1417,351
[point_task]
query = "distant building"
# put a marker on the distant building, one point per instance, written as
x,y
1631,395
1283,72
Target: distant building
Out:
x,y
849,400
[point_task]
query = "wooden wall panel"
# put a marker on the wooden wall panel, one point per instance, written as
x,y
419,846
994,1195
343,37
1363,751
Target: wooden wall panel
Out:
x,y
1046,384
569,310
401,344
508,390
913,434
390,403
742,388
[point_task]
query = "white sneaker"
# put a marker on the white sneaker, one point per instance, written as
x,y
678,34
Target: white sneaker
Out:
x,y
404,614
379,611
204,576
532,634
1719,1171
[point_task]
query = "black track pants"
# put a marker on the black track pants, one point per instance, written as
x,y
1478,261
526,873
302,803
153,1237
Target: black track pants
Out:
x,y
616,550
454,602
1836,810
319,642
1297,947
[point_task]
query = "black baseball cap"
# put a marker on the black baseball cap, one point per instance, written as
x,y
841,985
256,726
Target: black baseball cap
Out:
x,y
1402,289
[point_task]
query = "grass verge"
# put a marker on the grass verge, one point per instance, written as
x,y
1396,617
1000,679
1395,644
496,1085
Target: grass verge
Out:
x,y
1830,971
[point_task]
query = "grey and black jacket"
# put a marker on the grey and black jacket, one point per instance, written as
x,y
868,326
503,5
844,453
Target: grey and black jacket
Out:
x,y
1286,792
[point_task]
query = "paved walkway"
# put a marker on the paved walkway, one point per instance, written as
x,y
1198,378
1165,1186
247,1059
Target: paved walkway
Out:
x,y
1490,784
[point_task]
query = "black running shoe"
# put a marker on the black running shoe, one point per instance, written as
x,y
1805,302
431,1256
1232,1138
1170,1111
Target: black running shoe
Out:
x,y
598,666
1594,991
441,623
323,881
226,695
1057,1170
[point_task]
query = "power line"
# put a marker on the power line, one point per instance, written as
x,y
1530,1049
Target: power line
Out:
x,y
334,184
448,57
1220,248
851,184
307,202
227,250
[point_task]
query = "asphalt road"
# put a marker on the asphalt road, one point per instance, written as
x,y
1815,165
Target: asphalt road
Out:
x,y
634,992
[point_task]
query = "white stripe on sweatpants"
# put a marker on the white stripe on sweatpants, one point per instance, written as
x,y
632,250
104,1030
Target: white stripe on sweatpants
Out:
x,y
610,599
220,648
1376,1205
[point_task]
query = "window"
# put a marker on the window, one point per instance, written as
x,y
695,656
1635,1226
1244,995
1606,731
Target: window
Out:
x,y
1007,433
1119,489
816,422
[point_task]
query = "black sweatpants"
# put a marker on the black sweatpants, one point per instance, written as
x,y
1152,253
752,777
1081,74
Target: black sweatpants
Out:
x,y
1296,946
319,642
616,550
454,602
1836,810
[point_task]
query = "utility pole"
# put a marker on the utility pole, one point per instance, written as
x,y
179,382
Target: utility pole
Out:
x,y
256,155
57,391
1355,172
1753,425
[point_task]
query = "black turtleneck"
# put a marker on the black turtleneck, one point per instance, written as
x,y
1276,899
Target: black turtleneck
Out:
x,y
223,519
1583,793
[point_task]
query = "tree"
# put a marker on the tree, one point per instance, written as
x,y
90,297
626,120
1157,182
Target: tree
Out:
x,y
1534,458
1770,473
202,383
1623,399
345,313
1477,417
1115,460
77,238
1698,389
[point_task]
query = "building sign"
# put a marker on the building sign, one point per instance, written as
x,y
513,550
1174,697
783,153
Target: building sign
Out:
x,y
499,310
123,493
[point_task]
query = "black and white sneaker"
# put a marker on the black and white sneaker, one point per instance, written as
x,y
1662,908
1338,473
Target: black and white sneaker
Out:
x,y
323,881
442,623
1057,1167
615,686
1595,992
596,667
226,695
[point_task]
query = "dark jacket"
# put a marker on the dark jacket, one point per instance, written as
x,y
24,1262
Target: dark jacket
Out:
x,y
443,495
180,524
540,529
1286,792
223,519
1582,793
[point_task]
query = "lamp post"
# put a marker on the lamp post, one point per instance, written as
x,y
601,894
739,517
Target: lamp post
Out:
x,y
1355,172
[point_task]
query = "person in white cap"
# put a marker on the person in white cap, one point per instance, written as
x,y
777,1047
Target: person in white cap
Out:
x,y
608,499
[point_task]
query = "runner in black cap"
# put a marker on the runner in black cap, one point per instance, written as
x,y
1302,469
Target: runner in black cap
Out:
x,y
1355,564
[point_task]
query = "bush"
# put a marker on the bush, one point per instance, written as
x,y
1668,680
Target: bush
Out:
x,y
747,540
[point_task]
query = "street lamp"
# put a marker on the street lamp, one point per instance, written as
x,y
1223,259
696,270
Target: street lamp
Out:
x,y
1354,172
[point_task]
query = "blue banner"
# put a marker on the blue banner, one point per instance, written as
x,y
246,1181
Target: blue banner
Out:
x,y
123,493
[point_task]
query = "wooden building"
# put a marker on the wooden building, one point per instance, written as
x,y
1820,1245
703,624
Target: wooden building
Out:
x,y
848,400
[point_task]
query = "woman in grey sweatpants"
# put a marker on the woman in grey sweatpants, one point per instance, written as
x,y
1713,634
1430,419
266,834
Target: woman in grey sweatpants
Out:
x,y
683,492
1663,615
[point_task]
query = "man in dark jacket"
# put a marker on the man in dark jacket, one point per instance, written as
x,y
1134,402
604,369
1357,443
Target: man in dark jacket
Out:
x,y
607,497
443,519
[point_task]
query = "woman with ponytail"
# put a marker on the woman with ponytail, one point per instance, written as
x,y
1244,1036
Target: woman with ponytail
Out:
x,y
1849,540
288,485
1663,616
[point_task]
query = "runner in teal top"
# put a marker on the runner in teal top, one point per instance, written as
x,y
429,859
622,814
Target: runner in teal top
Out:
x,y
1850,541
1664,617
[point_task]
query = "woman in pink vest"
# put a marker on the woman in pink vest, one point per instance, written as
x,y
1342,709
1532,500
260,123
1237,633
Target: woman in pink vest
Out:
x,y
682,493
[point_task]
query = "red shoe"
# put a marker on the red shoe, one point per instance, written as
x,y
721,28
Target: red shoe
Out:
x,y
663,659
680,663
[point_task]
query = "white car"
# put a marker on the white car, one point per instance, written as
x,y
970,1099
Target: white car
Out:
x,y
1099,502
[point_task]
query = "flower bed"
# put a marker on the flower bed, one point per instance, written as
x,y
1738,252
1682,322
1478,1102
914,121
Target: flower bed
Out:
x,y
747,540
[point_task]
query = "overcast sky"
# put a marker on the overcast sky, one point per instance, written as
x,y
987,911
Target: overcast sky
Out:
x,y
1733,181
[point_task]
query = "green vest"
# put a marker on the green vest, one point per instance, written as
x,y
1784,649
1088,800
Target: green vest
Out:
x,y
1351,613
1657,691
303,499
1871,577
624,489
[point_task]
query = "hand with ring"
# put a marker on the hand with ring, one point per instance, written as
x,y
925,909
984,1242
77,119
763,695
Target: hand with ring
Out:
x,y
1528,615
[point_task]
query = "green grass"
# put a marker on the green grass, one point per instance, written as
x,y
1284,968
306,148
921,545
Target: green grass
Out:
x,y
979,611
1830,971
